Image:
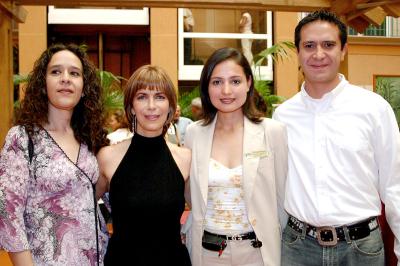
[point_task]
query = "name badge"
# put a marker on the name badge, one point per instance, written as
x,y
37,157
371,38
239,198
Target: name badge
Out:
x,y
257,154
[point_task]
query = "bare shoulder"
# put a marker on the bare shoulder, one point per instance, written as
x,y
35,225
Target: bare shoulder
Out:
x,y
182,157
182,153
109,156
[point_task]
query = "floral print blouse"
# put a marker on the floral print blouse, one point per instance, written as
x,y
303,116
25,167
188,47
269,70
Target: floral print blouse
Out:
x,y
47,206
226,209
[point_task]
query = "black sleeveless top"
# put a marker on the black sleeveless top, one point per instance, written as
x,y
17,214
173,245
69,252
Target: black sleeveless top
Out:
x,y
147,201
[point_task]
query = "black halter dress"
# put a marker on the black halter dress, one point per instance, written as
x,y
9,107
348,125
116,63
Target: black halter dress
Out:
x,y
147,201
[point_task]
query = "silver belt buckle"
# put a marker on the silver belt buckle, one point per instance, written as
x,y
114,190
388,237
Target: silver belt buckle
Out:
x,y
237,237
323,230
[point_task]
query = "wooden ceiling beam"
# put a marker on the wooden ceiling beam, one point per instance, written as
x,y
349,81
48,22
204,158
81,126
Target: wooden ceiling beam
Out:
x,y
342,7
392,10
375,3
15,12
273,5
375,16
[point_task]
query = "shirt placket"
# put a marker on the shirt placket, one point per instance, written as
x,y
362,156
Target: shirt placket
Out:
x,y
320,171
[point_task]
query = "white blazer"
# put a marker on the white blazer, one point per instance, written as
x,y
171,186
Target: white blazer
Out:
x,y
264,178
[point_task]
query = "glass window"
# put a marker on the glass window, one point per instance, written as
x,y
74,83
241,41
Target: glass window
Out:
x,y
202,31
228,21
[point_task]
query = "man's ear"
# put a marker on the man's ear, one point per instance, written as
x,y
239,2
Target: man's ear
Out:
x,y
343,52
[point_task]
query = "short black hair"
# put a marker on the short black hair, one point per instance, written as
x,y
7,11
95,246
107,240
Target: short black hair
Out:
x,y
322,15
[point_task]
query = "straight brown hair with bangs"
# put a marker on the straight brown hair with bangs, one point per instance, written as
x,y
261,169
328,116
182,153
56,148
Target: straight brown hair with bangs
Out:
x,y
151,78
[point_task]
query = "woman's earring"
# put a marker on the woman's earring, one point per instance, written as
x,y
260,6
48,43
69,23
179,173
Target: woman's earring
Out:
x,y
134,123
168,118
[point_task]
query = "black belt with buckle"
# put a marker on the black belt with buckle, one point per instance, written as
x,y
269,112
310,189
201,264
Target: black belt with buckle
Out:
x,y
329,235
215,242
250,235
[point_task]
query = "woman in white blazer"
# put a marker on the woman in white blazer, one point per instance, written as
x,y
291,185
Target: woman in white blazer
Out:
x,y
238,170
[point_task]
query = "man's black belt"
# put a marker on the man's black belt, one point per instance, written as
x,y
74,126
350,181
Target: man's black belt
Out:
x,y
329,235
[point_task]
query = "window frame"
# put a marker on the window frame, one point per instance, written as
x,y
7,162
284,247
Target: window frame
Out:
x,y
95,16
193,72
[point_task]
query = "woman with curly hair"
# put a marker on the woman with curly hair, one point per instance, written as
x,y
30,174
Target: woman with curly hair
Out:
x,y
48,168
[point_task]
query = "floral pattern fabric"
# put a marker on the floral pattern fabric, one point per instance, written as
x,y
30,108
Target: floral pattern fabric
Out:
x,y
46,206
226,209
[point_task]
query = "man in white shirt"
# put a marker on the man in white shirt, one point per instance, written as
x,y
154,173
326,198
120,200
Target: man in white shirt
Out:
x,y
344,157
177,130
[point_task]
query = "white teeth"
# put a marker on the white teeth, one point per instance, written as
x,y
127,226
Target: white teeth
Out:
x,y
227,100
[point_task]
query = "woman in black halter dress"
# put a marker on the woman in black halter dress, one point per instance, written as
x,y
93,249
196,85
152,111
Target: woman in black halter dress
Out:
x,y
146,178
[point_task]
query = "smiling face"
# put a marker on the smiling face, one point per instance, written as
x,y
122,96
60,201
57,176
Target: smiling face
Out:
x,y
320,55
64,81
151,109
228,87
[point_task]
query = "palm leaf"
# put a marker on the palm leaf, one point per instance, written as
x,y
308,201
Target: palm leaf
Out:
x,y
19,79
113,97
185,101
278,52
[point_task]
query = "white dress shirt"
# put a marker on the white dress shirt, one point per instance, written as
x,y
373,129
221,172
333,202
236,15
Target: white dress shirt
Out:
x,y
344,157
119,135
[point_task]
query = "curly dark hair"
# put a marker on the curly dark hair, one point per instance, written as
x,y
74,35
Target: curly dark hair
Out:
x,y
249,108
88,117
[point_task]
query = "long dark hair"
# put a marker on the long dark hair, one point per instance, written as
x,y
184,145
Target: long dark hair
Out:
x,y
249,107
87,119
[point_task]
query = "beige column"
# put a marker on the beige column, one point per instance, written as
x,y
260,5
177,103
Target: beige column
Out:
x,y
164,40
32,37
286,72
6,72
